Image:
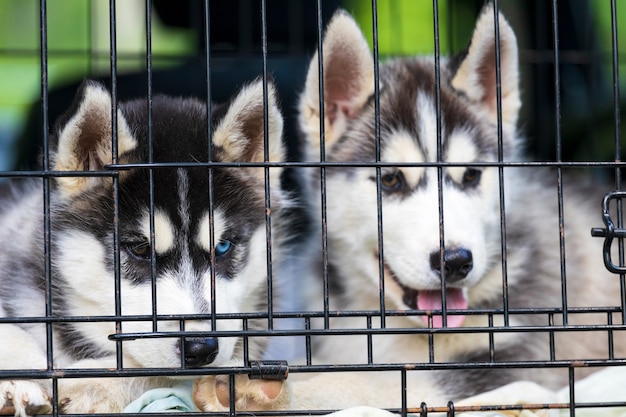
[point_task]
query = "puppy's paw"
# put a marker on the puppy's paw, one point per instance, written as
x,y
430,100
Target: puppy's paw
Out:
x,y
212,393
24,398
89,396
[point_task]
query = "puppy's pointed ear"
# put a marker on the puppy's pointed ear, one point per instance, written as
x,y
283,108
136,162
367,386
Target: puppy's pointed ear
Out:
x,y
348,82
85,141
240,133
476,74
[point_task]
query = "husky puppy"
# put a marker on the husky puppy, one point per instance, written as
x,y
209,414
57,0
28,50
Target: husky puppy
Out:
x,y
193,243
442,228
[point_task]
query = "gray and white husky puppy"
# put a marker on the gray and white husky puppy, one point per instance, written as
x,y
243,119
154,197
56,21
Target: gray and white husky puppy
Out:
x,y
442,227
193,243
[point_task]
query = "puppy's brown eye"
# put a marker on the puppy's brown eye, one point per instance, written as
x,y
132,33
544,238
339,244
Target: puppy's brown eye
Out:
x,y
471,177
139,250
393,181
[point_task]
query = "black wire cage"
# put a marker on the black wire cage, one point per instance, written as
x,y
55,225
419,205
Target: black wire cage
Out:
x,y
570,76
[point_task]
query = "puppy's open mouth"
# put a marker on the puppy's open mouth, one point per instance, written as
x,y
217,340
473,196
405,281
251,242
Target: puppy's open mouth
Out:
x,y
429,300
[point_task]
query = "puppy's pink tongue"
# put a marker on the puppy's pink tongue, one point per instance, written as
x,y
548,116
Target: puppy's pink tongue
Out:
x,y
431,300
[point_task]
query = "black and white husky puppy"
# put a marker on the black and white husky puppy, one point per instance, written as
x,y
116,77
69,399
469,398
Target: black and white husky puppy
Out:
x,y
442,271
192,243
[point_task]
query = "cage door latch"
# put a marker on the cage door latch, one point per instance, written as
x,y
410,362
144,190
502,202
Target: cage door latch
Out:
x,y
610,231
269,370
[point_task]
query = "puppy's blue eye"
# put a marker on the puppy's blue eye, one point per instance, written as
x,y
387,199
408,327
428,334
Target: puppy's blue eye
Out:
x,y
223,247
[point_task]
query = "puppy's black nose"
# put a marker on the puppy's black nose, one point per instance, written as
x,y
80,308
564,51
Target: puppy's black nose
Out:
x,y
200,351
457,263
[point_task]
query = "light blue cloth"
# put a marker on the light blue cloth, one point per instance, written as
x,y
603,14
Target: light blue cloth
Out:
x,y
176,398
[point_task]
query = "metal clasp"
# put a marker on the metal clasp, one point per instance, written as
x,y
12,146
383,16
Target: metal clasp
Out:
x,y
610,232
269,370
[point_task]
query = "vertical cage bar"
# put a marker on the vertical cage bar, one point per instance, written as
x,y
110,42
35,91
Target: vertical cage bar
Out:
x,y
610,338
431,341
551,337
246,343
43,25
320,72
207,43
181,326
403,411
231,391
114,158
440,202
370,344
572,393
266,158
379,199
492,346
153,272
558,140
503,248
307,340
618,150
47,242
